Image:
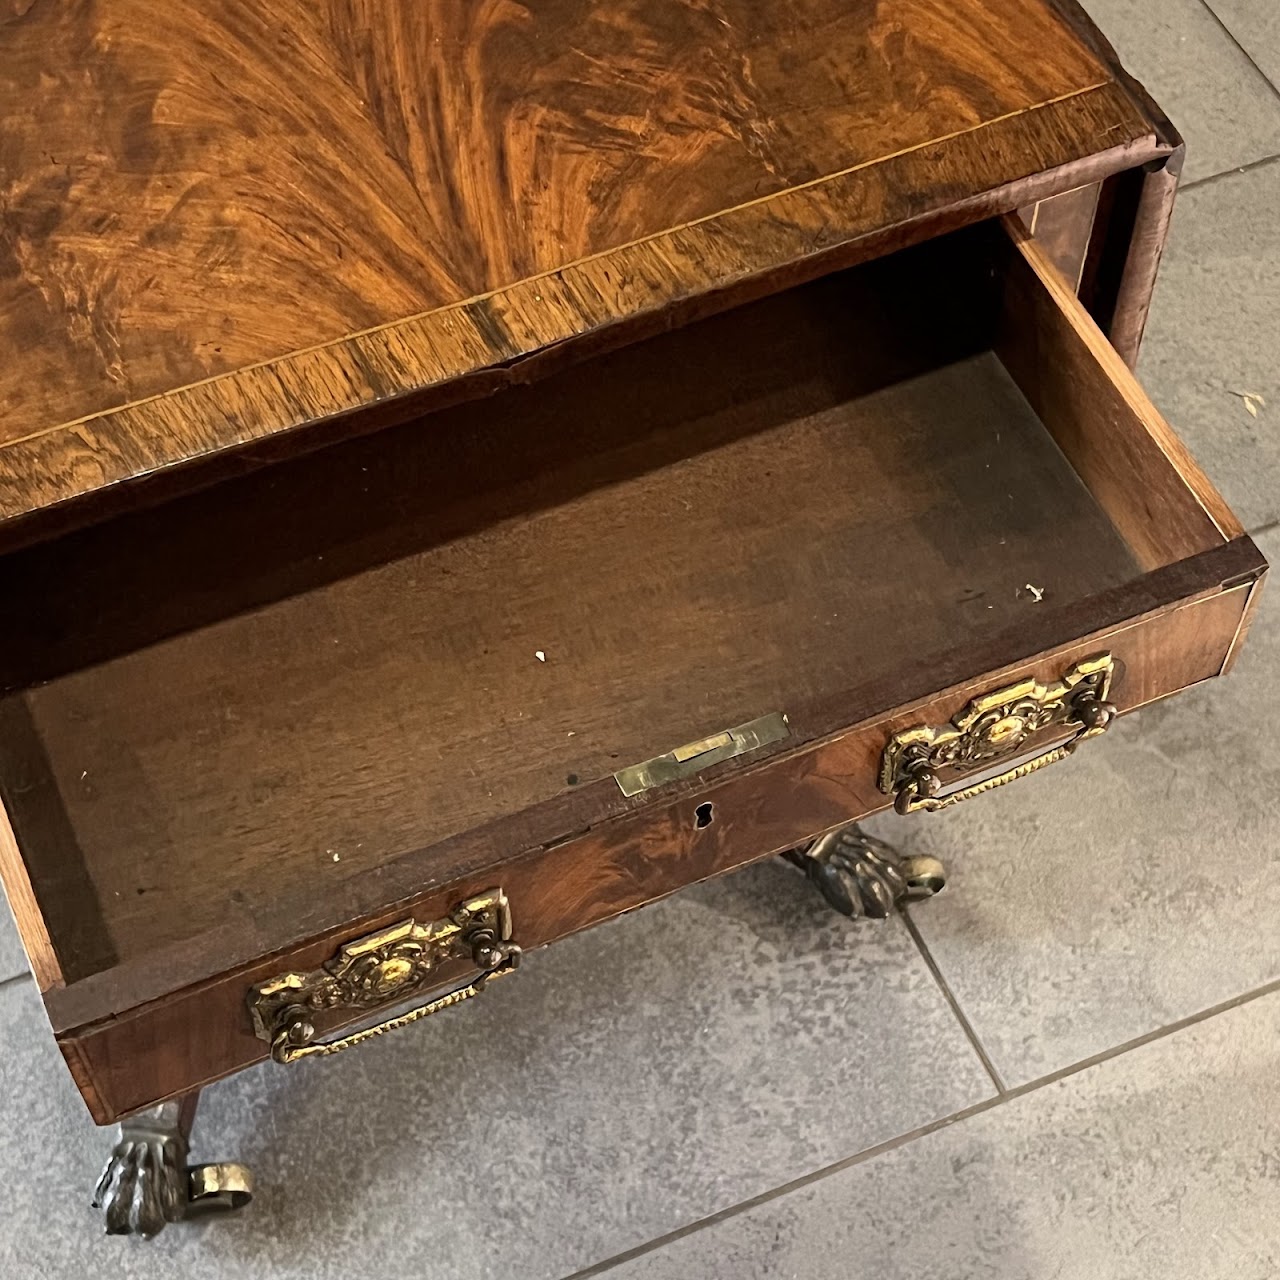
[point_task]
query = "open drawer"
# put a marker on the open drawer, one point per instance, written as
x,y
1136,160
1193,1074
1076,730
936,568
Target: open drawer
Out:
x,y
250,728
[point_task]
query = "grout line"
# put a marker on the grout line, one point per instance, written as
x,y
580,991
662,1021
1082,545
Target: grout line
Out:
x,y
1270,525
1248,57
12,978
944,1122
965,1025
1228,173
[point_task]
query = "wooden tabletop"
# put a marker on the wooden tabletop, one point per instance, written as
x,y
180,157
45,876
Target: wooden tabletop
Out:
x,y
225,222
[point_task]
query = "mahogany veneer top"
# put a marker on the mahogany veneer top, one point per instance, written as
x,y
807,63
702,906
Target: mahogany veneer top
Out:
x,y
224,222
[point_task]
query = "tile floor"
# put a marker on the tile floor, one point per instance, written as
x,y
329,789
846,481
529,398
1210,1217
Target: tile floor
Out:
x,y
1067,1066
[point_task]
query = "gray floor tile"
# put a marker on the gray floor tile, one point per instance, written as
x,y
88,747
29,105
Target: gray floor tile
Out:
x,y
1161,1162
626,1082
1133,885
1256,25
1224,108
13,959
1215,331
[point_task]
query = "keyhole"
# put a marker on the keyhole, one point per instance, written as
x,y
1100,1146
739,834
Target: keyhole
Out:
x,y
703,816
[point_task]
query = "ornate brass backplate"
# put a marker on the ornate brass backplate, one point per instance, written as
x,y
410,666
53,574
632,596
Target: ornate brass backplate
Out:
x,y
995,727
386,967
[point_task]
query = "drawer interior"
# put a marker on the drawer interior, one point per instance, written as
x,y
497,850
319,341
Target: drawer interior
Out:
x,y
252,698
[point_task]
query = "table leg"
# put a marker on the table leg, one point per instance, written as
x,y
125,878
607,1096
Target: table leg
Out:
x,y
863,877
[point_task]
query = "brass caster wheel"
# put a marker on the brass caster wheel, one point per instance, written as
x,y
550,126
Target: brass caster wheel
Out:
x,y
218,1188
925,876
862,877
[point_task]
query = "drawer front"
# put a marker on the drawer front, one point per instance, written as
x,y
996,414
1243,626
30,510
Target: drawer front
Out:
x,y
200,1034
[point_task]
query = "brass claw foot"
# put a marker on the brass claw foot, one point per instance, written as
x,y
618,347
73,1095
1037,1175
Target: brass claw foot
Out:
x,y
861,876
147,1181
144,1183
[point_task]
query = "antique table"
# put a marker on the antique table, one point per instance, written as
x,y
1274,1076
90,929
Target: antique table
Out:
x,y
469,470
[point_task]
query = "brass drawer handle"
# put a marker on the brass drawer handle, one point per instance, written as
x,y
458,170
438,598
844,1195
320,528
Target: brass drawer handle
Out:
x,y
993,727
385,967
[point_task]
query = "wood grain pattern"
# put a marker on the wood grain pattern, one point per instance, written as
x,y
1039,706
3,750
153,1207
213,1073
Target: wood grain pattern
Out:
x,y
1246,621
280,532
1152,219
81,1073
1134,211
218,187
189,194
62,885
230,234
1063,225
200,1034
1117,440
733,486
471,856
735,548
26,910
